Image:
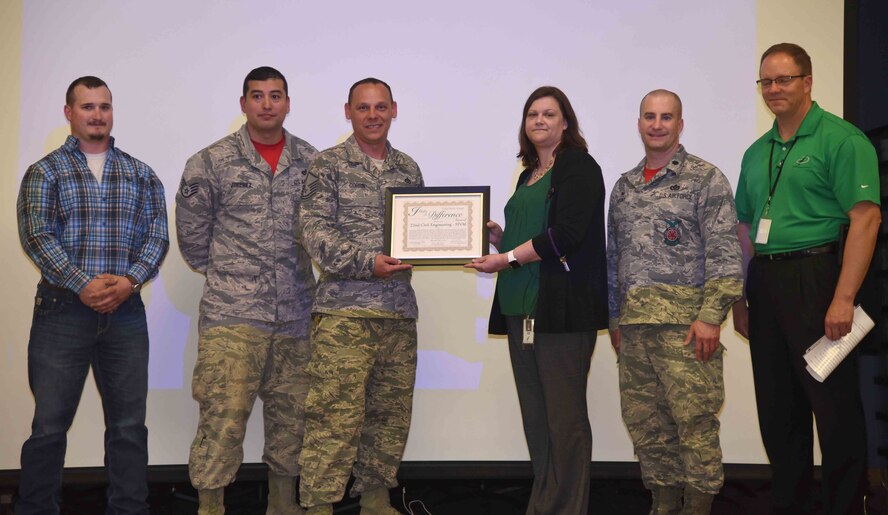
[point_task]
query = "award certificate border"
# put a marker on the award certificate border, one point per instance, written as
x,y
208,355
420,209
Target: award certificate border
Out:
x,y
397,200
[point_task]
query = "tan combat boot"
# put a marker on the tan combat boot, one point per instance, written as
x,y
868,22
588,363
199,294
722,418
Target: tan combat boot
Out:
x,y
376,502
666,500
211,502
696,502
323,509
282,496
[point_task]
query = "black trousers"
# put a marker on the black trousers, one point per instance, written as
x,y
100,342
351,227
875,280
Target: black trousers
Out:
x,y
788,301
551,379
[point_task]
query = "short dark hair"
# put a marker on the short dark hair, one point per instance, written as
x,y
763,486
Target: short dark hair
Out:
x,y
661,92
87,81
797,53
571,138
265,73
369,80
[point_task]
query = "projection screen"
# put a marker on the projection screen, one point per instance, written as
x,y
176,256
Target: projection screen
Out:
x,y
460,72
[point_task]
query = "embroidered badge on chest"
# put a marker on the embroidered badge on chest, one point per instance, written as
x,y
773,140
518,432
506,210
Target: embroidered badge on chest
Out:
x,y
672,234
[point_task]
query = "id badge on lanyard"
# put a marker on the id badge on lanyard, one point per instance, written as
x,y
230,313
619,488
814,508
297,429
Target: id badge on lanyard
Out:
x,y
764,228
527,339
764,225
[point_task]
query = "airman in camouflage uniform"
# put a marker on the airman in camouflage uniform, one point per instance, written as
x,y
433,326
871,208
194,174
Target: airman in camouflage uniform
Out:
x,y
674,269
363,365
236,221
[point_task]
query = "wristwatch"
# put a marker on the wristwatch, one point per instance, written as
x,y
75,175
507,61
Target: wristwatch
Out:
x,y
137,286
513,261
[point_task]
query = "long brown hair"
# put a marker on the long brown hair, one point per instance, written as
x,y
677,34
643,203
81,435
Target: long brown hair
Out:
x,y
571,138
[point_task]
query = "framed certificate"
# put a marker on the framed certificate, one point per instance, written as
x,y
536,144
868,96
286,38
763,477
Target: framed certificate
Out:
x,y
437,225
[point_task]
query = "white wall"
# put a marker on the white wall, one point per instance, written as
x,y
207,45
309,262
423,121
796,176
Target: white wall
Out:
x,y
460,73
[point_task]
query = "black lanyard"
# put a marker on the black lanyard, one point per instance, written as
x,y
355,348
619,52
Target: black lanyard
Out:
x,y
773,187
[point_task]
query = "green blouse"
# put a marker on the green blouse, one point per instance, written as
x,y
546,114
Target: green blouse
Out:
x,y
526,215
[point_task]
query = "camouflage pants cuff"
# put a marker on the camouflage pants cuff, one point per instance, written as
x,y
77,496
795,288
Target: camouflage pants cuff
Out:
x,y
209,473
364,485
670,404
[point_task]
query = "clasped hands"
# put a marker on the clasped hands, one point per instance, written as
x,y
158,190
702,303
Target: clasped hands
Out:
x,y
104,293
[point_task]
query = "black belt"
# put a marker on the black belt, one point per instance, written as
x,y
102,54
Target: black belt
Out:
x,y
44,283
829,248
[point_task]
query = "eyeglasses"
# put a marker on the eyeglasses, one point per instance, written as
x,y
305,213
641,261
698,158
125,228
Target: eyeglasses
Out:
x,y
781,81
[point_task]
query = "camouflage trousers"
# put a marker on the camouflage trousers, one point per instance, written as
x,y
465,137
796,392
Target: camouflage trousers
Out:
x,y
235,363
357,413
670,403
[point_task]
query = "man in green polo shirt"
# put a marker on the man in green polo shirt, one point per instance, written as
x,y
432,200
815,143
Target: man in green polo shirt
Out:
x,y
799,183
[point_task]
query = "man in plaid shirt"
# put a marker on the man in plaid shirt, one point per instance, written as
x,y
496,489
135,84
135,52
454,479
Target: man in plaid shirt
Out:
x,y
93,220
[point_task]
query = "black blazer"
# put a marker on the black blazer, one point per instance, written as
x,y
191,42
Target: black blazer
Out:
x,y
572,301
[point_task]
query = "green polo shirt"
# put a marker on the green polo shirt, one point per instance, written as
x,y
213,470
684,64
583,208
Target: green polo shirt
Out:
x,y
830,166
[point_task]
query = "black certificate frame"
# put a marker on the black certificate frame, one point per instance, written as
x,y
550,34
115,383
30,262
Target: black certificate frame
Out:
x,y
398,200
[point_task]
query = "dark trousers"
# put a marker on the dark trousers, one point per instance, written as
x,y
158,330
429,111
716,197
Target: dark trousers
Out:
x,y
66,339
788,301
551,379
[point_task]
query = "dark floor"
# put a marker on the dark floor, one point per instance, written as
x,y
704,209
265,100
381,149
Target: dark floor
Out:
x,y
437,497
433,496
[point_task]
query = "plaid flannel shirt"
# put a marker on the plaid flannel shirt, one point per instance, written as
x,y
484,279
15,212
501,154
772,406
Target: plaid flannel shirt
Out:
x,y
74,228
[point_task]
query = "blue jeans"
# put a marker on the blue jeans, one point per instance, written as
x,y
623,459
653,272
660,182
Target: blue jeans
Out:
x,y
67,338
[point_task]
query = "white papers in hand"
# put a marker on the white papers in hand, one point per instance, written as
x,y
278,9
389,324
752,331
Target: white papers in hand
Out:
x,y
825,355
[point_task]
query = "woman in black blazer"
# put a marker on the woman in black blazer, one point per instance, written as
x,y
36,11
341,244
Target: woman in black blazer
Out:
x,y
551,296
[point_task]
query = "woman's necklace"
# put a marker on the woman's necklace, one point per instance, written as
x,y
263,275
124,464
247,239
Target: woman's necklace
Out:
x,y
541,170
